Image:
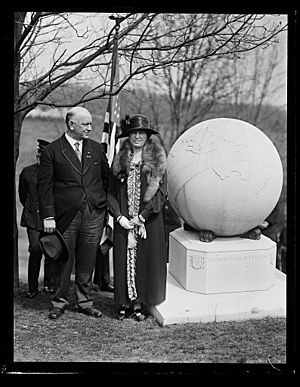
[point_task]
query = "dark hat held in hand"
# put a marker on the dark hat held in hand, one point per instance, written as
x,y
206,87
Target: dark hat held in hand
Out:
x,y
54,246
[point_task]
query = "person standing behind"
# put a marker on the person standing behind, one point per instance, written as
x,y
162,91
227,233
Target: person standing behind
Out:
x,y
136,197
30,219
171,221
101,279
72,190
271,229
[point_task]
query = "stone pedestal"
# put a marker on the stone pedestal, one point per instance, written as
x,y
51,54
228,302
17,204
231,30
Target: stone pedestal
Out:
x,y
218,281
183,307
223,265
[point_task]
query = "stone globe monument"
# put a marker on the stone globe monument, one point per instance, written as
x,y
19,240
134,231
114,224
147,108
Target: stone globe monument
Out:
x,y
224,175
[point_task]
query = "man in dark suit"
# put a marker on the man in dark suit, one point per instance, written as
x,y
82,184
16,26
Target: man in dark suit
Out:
x,y
72,190
30,219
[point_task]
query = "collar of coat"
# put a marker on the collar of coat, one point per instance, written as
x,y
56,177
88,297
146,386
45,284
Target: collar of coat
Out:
x,y
154,162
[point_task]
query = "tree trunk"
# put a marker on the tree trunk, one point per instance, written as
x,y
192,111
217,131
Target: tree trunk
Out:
x,y
18,120
15,236
17,132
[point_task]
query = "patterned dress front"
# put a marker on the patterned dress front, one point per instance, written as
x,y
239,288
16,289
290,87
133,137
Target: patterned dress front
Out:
x,y
134,193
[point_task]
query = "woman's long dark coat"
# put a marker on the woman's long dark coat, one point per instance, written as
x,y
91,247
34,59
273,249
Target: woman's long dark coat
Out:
x,y
151,264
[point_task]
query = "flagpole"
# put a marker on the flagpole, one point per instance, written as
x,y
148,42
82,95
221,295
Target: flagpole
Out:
x,y
118,21
110,127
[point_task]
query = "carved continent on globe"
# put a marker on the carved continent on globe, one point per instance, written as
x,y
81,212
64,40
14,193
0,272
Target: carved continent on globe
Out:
x,y
224,175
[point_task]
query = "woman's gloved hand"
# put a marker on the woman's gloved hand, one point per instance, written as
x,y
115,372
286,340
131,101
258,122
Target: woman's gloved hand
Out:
x,y
125,223
142,231
136,221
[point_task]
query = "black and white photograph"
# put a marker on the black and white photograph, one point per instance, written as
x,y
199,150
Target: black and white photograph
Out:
x,y
153,216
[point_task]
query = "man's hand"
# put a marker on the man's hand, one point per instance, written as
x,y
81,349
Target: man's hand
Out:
x,y
49,225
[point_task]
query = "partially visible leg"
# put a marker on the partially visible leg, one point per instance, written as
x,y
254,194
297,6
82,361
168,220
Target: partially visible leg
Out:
x,y
98,272
48,274
282,244
104,248
101,273
34,261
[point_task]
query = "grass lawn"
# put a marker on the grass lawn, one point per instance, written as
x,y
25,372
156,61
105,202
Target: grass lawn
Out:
x,y
78,338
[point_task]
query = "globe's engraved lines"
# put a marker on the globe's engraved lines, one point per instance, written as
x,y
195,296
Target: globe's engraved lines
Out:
x,y
211,145
262,187
226,174
221,171
214,146
228,157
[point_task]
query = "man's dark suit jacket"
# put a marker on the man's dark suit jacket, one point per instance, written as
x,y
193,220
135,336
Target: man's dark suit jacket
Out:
x,y
28,197
63,183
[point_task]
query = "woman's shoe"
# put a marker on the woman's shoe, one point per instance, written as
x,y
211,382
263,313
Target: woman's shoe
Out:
x,y
49,289
138,315
123,312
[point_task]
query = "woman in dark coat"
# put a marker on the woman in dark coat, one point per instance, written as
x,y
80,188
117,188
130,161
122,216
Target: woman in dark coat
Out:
x,y
136,197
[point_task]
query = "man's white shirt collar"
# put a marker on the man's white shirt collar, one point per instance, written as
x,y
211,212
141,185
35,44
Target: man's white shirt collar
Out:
x,y
72,142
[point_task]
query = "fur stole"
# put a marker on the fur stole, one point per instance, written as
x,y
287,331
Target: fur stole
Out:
x,y
154,163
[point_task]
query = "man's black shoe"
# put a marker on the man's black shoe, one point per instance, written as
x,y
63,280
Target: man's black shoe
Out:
x,y
106,288
56,313
90,311
31,294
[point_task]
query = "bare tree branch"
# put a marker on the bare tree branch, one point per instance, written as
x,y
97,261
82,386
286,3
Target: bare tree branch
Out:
x,y
149,42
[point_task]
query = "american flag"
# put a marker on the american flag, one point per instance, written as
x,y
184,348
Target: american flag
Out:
x,y
111,128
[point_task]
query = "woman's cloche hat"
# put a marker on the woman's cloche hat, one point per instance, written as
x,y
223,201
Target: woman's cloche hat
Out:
x,y
135,122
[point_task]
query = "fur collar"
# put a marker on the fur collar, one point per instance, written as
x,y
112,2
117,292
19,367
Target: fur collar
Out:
x,y
154,162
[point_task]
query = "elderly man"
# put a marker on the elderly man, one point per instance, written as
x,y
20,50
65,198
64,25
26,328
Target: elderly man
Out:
x,y
72,186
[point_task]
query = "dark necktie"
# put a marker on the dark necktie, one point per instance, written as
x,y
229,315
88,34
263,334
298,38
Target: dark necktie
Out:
x,y
77,151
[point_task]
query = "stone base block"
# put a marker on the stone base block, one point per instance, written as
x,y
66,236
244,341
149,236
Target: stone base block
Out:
x,y
230,264
182,306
